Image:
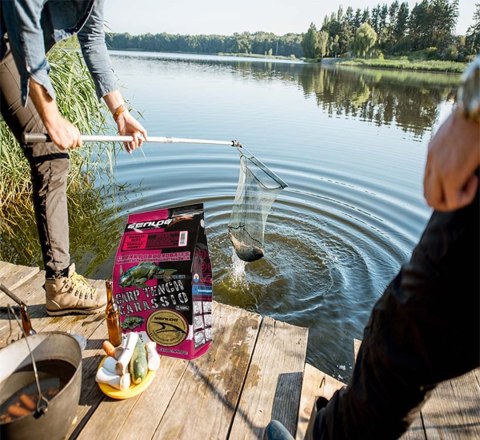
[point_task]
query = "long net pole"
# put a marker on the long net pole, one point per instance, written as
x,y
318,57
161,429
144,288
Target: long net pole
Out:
x,y
30,138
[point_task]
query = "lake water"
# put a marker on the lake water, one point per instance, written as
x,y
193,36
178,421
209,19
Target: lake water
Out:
x,y
350,144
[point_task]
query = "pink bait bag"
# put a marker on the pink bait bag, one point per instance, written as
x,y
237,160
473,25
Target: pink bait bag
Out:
x,y
162,280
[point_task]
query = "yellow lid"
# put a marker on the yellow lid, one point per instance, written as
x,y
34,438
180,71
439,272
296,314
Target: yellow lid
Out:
x,y
132,391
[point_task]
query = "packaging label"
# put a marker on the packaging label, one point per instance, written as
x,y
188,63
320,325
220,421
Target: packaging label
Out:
x,y
162,280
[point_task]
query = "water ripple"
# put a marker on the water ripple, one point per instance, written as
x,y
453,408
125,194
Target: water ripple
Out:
x,y
353,209
332,239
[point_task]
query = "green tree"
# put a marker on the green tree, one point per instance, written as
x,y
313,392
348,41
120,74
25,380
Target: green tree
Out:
x,y
366,16
334,45
243,42
347,31
444,18
419,24
383,15
364,41
401,24
432,23
376,18
340,14
348,17
382,27
392,13
334,29
392,23
322,41
472,37
309,42
357,20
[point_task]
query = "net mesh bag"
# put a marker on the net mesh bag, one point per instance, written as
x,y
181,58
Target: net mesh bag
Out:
x,y
257,189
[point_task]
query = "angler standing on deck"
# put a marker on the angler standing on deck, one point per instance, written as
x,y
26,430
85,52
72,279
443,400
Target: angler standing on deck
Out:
x,y
28,29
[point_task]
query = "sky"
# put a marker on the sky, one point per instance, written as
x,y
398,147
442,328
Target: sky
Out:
x,y
225,17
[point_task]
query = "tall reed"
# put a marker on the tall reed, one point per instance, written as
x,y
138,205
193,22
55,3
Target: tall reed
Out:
x,y
78,103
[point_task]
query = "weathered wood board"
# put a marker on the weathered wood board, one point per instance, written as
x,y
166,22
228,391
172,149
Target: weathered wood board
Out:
x,y
255,371
315,384
273,384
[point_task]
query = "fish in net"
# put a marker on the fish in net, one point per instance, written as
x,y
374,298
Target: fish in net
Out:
x,y
257,189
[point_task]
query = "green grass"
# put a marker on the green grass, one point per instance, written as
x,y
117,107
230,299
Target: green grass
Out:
x,y
404,63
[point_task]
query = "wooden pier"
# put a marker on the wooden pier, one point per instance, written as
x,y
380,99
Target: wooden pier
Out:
x,y
255,371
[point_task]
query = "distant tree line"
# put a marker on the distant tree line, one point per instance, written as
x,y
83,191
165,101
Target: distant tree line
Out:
x,y
386,29
262,43
395,30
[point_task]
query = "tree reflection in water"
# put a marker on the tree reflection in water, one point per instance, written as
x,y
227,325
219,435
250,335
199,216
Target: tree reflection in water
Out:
x,y
408,99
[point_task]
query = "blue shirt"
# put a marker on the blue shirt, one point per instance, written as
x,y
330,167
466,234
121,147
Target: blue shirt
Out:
x,y
34,26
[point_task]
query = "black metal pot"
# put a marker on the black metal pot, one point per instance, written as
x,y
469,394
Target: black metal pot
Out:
x,y
52,348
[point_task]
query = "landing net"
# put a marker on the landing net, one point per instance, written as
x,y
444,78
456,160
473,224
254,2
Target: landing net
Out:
x,y
257,189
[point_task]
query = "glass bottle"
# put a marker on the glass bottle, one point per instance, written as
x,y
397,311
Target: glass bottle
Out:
x,y
112,316
26,323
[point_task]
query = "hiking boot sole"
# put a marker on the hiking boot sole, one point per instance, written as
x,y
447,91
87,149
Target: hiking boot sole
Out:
x,y
73,311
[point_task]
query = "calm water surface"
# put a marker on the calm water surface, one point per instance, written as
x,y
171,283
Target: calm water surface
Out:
x,y
351,145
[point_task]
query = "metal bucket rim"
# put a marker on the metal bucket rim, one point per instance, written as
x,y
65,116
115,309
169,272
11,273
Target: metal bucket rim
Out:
x,y
44,336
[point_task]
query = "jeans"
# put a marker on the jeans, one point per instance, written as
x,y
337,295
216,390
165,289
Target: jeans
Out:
x,y
49,169
423,330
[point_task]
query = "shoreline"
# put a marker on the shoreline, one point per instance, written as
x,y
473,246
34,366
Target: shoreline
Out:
x,y
401,64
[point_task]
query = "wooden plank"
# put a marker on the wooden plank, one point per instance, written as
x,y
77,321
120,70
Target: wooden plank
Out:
x,y
90,395
204,403
356,347
5,266
416,431
476,376
13,275
100,413
453,409
132,418
315,384
33,294
41,321
272,388
158,395
31,291
115,418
